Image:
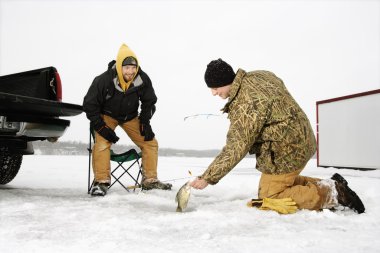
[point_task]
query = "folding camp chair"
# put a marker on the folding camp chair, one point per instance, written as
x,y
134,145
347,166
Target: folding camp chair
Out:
x,y
130,157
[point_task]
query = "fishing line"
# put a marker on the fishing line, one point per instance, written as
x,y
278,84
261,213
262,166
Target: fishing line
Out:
x,y
169,180
176,179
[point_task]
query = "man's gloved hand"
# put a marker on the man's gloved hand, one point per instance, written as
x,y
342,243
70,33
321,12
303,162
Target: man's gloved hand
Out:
x,y
106,132
146,131
283,206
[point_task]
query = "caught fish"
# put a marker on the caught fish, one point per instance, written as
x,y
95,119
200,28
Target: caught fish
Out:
x,y
182,197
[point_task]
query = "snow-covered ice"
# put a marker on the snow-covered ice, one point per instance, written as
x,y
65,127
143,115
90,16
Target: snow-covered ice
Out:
x,y
47,209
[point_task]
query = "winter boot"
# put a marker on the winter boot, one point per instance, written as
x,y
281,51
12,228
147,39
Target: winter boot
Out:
x,y
150,184
346,196
99,189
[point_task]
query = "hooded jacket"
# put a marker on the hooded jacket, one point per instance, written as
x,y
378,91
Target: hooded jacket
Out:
x,y
266,121
123,53
106,95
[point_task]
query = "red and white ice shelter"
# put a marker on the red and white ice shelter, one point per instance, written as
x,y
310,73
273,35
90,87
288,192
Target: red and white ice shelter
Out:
x,y
348,131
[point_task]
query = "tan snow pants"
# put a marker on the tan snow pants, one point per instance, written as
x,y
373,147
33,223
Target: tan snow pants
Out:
x,y
101,150
305,191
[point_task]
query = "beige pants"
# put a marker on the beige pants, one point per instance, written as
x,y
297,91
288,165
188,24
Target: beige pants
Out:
x,y
101,151
307,192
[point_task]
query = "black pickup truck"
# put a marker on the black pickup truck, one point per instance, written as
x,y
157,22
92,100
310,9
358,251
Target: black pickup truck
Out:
x,y
30,110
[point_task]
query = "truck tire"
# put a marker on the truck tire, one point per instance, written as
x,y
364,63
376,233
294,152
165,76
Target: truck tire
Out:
x,y
10,164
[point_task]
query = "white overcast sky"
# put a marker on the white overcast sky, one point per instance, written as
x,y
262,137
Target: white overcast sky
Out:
x,y
321,50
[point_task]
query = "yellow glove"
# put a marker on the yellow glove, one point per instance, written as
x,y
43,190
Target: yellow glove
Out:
x,y
283,206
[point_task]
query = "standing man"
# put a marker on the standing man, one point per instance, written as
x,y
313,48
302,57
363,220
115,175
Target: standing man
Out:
x,y
268,122
112,100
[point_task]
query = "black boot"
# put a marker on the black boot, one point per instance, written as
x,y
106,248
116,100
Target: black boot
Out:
x,y
99,189
155,184
346,196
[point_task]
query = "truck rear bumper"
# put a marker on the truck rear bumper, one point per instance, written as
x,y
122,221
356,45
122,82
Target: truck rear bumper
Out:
x,y
41,130
32,127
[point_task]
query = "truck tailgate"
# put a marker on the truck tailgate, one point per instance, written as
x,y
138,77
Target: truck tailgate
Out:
x,y
11,104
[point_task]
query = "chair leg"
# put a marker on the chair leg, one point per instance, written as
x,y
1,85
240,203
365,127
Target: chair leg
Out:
x,y
89,164
117,178
88,180
90,186
136,180
138,177
89,173
126,171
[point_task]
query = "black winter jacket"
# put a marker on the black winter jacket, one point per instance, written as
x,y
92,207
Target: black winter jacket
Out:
x,y
106,97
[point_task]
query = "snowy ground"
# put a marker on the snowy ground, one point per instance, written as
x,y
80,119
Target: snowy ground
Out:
x,y
47,209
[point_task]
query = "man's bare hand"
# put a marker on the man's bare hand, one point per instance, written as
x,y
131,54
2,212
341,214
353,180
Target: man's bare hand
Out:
x,y
199,183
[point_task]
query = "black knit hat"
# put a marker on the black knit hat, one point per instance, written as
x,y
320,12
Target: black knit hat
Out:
x,y
130,60
218,74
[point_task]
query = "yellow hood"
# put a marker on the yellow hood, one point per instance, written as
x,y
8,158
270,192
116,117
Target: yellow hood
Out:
x,y
123,53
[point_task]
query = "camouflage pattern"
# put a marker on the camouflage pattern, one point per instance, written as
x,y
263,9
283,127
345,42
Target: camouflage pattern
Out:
x,y
266,121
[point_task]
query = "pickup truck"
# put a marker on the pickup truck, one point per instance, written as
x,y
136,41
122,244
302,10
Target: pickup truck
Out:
x,y
30,110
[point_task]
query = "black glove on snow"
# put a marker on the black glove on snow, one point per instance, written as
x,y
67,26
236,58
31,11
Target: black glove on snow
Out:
x,y
106,132
146,131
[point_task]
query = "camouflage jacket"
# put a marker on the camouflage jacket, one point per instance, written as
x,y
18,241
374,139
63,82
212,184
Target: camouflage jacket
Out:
x,y
266,121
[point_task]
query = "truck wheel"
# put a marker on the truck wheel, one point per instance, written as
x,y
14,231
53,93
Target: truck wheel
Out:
x,y
9,165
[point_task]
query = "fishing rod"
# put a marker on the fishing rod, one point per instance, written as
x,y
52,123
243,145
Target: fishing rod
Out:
x,y
207,115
